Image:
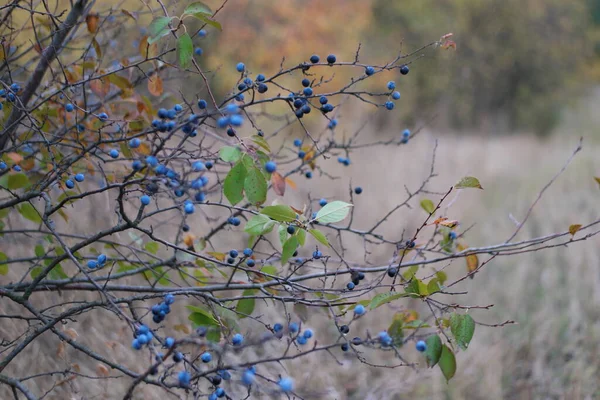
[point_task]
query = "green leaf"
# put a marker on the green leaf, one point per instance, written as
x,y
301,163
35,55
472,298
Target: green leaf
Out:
x,y
463,328
289,248
204,18
432,286
246,306
230,154
259,140
28,211
201,316
434,350
408,275
333,212
197,8
3,267
383,298
447,363
395,330
281,213
152,247
428,206
259,225
282,233
39,251
468,182
36,272
413,287
57,273
185,49
233,186
319,236
255,186
17,181
269,269
301,235
158,28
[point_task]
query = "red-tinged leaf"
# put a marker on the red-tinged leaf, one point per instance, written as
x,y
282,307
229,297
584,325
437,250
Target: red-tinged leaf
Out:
x,y
100,87
574,228
155,85
278,183
146,49
130,14
15,157
92,22
471,259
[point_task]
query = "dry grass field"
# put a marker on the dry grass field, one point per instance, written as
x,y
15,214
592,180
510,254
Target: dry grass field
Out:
x,y
552,350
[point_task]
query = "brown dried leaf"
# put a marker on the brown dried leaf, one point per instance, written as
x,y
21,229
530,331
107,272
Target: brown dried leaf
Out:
x,y
183,328
574,228
72,333
130,14
278,183
102,370
146,50
92,22
100,87
155,85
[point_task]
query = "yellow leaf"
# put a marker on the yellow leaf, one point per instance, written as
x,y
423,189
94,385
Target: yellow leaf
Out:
x,y
574,228
182,328
291,183
92,22
472,263
217,256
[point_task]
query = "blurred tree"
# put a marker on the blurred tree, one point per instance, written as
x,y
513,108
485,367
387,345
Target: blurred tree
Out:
x,y
516,59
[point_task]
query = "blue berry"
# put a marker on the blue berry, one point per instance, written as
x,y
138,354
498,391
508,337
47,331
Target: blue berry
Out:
x,y
209,164
262,88
103,117
317,254
396,95
169,342
301,154
369,71
297,142
232,108
206,357
404,70
301,340
345,347
230,132
248,81
171,114
236,120
69,184
145,200
178,356
359,309
135,143
11,97
298,103
237,339
260,78
358,190
202,33
328,108
248,377
291,229
198,51
220,392
323,100
331,59
406,133
136,344
224,374
222,122
306,82
248,252
293,327
114,153
101,259
15,87
350,285
233,253
308,174
162,113
79,177
3,166
421,346
323,202
452,235
277,327
250,263
235,221
69,107
189,208
177,108
184,378
286,384
308,91
308,334
202,104
389,105
391,85
306,109
270,166
198,166
92,264
240,67
314,59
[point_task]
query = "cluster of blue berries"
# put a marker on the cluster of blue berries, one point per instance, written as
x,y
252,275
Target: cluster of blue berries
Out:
x,y
166,121
69,182
232,117
344,160
304,337
143,336
11,93
160,310
98,262
356,278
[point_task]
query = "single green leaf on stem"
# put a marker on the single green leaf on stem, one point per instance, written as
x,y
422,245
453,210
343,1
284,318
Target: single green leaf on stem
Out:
x,y
197,8
282,233
230,154
269,270
396,330
259,140
335,211
259,225
204,18
233,186
281,213
185,50
158,28
384,298
428,206
246,306
447,363
255,186
152,247
434,350
29,212
289,247
319,236
39,251
201,316
462,327
301,235
3,264
16,181
468,182
57,273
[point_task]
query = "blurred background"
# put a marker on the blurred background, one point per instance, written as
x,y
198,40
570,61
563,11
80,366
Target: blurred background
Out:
x,y
508,105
